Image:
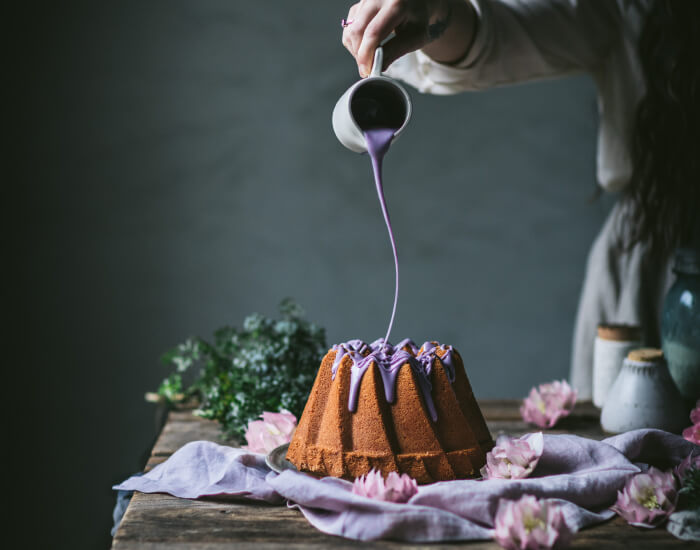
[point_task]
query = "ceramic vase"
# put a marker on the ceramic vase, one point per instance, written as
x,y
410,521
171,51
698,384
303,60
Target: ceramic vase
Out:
x,y
680,324
612,344
644,396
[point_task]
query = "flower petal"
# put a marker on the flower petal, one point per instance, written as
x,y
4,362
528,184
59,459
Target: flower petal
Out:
x,y
273,430
396,488
530,523
546,404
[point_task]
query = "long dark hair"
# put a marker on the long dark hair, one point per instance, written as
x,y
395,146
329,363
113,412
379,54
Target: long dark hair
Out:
x,y
664,192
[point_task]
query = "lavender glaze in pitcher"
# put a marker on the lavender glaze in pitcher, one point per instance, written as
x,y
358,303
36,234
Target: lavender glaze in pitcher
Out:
x,y
373,102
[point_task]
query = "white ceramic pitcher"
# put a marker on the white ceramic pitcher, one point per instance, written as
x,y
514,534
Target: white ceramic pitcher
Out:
x,y
373,102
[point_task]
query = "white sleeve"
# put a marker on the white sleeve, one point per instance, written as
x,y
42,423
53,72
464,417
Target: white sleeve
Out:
x,y
520,40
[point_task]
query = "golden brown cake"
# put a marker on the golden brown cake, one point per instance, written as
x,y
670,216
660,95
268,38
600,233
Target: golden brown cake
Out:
x,y
392,408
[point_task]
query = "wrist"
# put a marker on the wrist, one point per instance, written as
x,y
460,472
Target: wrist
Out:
x,y
440,20
451,30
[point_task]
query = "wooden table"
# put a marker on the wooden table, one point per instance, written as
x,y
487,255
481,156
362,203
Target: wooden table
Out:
x,y
159,522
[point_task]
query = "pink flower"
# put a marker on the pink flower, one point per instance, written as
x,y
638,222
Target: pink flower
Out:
x,y
647,499
513,458
396,488
273,430
548,403
529,523
693,432
695,413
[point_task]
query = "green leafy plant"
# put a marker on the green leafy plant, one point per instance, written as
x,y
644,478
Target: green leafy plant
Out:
x,y
689,495
267,365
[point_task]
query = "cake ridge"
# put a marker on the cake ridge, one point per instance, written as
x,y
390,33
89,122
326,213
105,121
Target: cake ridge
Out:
x,y
389,359
396,436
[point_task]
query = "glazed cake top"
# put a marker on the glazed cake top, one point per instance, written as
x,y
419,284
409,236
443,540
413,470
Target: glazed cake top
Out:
x,y
389,360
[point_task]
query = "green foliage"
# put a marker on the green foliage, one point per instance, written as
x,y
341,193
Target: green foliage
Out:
x,y
267,365
689,495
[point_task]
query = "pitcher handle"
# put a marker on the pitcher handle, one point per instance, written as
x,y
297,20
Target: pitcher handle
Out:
x,y
377,64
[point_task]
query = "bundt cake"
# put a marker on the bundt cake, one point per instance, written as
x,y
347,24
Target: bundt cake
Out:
x,y
392,408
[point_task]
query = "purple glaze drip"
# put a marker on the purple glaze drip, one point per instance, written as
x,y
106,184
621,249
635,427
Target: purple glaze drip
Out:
x,y
378,142
389,360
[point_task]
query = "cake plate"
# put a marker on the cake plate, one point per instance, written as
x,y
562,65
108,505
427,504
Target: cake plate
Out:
x,y
276,460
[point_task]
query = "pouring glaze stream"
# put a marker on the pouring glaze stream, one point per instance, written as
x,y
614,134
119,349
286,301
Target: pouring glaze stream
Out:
x,y
378,142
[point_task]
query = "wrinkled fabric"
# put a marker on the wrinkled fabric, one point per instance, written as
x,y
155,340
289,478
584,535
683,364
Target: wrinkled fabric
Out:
x,y
620,286
203,468
685,525
583,475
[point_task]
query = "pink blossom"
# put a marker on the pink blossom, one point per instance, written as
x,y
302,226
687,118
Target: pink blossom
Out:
x,y
273,430
513,458
529,523
692,433
396,488
648,498
695,413
548,403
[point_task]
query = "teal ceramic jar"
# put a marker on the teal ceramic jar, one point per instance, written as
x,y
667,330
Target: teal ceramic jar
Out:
x,y
680,324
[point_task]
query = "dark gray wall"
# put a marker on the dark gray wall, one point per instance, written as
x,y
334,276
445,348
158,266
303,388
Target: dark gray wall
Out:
x,y
179,171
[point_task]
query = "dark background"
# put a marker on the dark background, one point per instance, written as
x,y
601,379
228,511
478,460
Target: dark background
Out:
x,y
172,168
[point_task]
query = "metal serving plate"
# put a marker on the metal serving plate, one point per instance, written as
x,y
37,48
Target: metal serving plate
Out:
x,y
276,459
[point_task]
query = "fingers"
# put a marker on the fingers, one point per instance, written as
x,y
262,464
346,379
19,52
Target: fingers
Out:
x,y
381,25
374,20
360,14
347,36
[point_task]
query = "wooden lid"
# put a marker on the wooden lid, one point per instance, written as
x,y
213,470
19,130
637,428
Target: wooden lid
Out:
x,y
647,355
619,333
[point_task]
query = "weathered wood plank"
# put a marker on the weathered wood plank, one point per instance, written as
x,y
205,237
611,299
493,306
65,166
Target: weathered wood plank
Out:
x,y
183,427
509,409
157,522
518,428
617,533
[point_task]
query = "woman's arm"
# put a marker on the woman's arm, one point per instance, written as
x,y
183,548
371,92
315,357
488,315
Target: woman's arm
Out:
x,y
443,29
484,43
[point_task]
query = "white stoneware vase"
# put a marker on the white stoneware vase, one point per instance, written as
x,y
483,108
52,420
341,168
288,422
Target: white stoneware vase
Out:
x,y
612,344
644,396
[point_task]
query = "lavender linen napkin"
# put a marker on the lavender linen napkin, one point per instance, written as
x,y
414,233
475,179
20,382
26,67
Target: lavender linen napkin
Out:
x,y
203,468
582,474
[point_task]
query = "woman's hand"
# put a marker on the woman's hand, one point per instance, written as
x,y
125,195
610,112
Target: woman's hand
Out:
x,y
442,28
